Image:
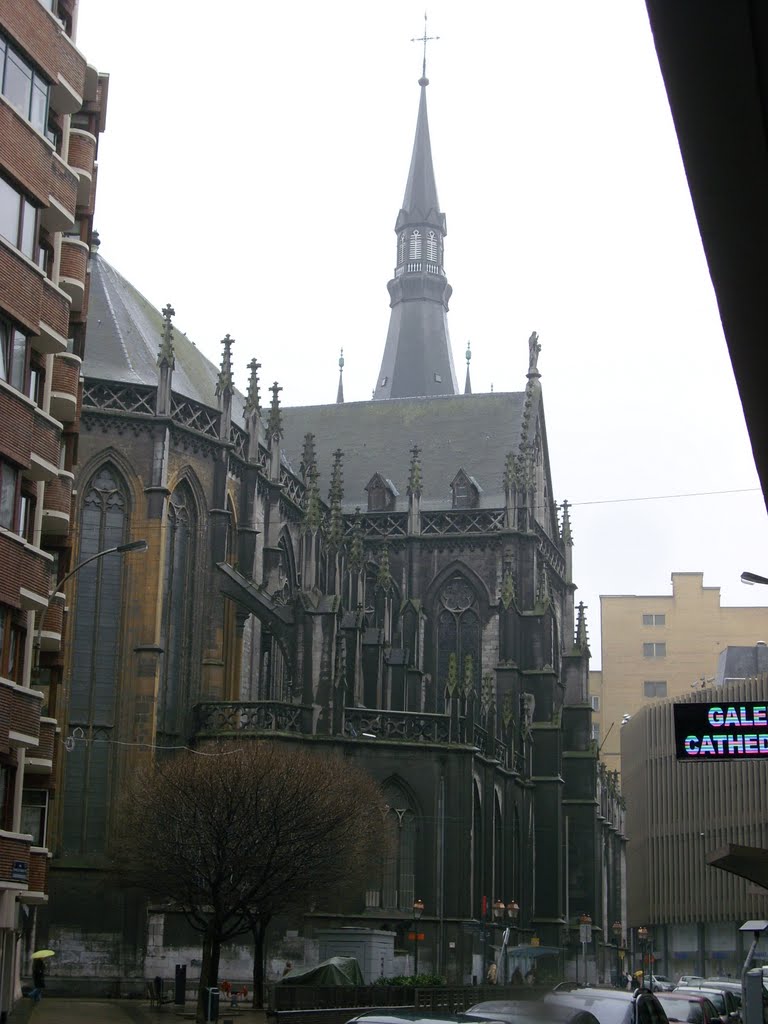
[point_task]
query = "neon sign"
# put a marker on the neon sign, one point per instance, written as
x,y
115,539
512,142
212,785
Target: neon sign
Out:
x,y
721,732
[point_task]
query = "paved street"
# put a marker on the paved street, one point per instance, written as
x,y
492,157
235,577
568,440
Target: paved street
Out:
x,y
116,1011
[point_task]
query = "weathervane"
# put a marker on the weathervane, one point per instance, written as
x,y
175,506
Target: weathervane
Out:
x,y
424,39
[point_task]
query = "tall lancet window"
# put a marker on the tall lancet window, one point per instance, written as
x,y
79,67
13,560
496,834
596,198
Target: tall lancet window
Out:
x,y
96,659
432,247
401,247
398,875
415,250
178,606
458,634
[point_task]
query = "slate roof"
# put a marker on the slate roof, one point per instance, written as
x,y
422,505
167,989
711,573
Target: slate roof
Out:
x,y
124,331
473,432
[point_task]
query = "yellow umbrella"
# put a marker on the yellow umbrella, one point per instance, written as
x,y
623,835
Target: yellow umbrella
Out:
x,y
42,954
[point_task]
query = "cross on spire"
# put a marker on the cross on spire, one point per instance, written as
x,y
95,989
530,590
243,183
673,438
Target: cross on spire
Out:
x,y
424,39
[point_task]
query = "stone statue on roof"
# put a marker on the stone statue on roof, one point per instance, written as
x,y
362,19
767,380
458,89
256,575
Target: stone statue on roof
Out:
x,y
533,352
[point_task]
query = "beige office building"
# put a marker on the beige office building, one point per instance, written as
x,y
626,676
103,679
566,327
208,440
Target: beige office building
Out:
x,y
662,645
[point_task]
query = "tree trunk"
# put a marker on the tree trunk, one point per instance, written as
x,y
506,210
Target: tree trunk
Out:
x,y
259,932
209,969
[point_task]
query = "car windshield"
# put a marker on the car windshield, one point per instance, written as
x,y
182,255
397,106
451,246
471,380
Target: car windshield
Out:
x,y
682,1009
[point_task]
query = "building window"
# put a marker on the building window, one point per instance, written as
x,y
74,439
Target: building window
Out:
x,y
12,641
23,87
401,248
13,355
9,496
458,636
97,663
398,882
654,650
18,220
595,702
654,620
432,246
655,688
596,733
34,811
415,249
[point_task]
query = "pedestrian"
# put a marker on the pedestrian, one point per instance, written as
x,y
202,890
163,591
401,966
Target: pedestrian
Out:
x,y
490,976
38,980
530,978
517,977
288,967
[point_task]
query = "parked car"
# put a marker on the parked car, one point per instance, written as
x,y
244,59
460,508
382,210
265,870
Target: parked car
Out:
x,y
689,979
661,983
727,1004
613,1006
688,1007
527,1011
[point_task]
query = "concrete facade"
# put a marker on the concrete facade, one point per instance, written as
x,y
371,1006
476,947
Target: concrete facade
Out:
x,y
659,646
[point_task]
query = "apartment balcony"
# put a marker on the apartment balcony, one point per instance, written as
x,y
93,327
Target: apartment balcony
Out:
x,y
45,41
17,414
14,860
53,623
46,447
59,214
82,156
74,267
37,891
26,576
65,387
52,327
40,761
24,707
57,505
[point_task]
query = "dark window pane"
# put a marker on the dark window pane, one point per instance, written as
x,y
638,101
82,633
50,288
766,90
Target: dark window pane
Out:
x,y
18,360
39,112
29,231
8,481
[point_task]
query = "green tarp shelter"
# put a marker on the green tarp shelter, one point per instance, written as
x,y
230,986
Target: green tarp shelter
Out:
x,y
338,970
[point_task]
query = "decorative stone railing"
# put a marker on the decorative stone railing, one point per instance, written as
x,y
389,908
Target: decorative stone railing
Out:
x,y
379,524
400,725
459,521
216,718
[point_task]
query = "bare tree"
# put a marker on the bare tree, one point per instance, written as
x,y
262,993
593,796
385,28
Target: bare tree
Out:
x,y
230,835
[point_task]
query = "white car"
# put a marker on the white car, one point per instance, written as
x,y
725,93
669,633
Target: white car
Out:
x,y
661,983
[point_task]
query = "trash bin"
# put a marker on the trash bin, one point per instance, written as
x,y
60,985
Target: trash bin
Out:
x,y
211,1004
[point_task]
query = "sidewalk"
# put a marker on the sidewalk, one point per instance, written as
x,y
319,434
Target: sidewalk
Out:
x,y
118,1011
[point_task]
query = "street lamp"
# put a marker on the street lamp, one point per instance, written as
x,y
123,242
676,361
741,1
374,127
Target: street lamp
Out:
x,y
118,549
585,934
617,928
750,578
418,910
642,934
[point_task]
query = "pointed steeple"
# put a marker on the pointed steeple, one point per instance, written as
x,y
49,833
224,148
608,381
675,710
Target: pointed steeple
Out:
x,y
335,525
468,382
417,357
252,411
340,392
166,361
224,385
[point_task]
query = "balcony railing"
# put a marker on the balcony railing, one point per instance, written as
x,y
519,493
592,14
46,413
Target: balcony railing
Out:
x,y
25,579
82,153
23,713
65,386
37,891
14,860
213,718
53,624
39,761
74,265
399,725
46,447
57,504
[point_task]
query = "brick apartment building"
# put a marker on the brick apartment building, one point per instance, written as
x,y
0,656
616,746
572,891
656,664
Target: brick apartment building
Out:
x,y
52,108
662,645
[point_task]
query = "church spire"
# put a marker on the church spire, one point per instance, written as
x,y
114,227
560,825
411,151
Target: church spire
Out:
x,y
417,355
340,392
468,382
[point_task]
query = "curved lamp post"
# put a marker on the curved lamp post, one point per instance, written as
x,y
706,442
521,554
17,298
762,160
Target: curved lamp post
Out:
x,y
418,910
118,549
618,928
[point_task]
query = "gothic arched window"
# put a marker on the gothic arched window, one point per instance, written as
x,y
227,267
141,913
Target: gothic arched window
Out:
x,y
96,660
398,875
432,246
178,602
458,635
415,248
401,248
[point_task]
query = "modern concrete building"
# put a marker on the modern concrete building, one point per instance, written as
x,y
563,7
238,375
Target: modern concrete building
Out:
x,y
681,817
662,645
52,107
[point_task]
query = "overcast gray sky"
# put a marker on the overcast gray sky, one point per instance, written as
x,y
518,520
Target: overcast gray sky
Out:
x,y
252,169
